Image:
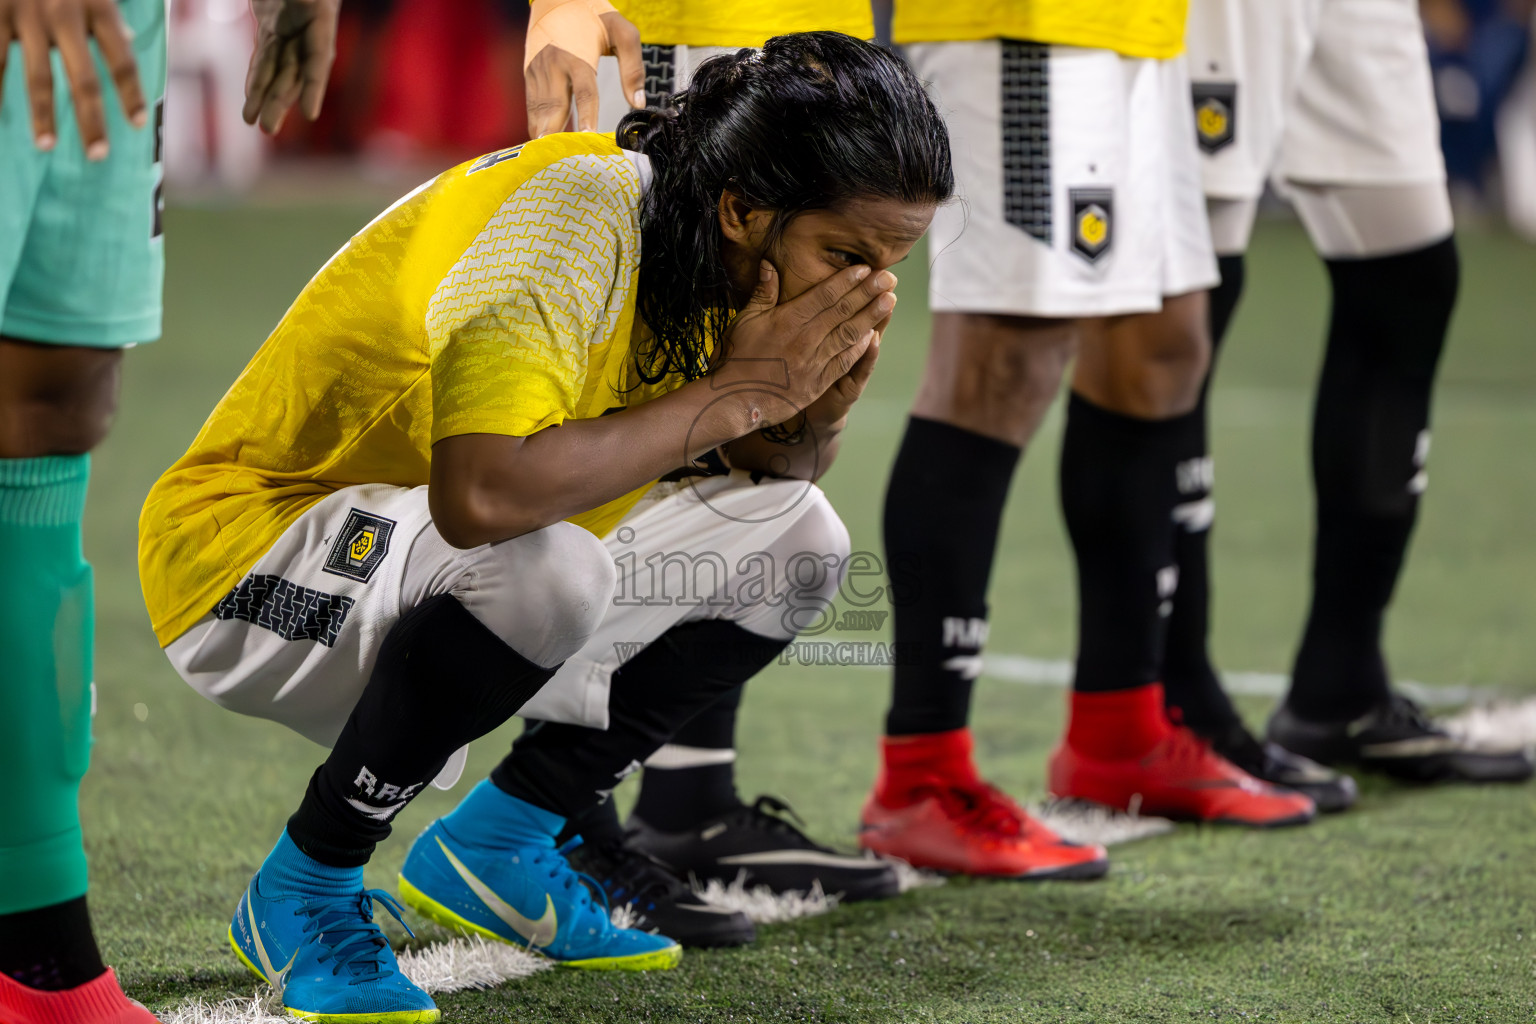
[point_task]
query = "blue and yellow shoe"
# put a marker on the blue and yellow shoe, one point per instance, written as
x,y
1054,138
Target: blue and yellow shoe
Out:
x,y
327,957
524,895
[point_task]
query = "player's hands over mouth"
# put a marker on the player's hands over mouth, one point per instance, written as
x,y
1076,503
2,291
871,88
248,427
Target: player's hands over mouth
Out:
x,y
814,352
68,26
565,39
295,47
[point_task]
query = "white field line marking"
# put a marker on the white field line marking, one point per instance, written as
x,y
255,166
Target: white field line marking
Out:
x,y
1018,668
449,966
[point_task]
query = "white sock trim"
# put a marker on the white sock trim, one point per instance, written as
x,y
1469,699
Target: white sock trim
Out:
x,y
672,755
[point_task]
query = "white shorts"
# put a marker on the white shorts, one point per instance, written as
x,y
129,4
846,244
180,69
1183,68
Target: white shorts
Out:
x,y
668,69
1078,181
296,641
1322,92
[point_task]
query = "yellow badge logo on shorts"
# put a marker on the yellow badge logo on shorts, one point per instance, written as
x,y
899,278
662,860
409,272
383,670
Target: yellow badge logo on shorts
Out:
x,y
360,545
1215,114
1093,227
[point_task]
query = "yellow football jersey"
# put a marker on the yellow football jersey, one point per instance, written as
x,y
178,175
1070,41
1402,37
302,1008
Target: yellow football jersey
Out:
x,y
743,22
497,298
1135,28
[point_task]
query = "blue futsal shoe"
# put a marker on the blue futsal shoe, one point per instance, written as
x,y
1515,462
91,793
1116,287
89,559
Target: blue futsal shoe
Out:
x,y
327,957
521,890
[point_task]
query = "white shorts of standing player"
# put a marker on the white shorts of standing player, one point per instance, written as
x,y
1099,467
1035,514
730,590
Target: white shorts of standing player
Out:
x,y
1078,180
1330,100
296,641
668,69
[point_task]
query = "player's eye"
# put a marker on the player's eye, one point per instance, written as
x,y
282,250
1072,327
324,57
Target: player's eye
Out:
x,y
846,258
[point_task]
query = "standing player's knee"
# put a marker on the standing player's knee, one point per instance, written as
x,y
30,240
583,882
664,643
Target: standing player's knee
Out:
x,y
55,401
1149,365
994,375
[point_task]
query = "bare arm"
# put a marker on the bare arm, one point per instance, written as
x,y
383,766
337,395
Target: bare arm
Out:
x,y
490,487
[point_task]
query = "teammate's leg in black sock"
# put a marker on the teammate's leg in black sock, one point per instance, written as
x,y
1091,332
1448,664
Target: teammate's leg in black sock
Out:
x,y
569,768
442,679
598,823
1190,683
1118,496
693,777
50,948
1370,439
943,509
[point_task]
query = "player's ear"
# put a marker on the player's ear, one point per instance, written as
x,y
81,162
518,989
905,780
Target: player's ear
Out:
x,y
736,220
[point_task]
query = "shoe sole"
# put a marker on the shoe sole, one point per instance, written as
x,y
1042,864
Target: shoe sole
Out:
x,y
1084,871
427,907
393,1017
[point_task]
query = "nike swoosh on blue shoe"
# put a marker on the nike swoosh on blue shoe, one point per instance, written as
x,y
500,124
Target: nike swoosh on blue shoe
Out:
x,y
494,894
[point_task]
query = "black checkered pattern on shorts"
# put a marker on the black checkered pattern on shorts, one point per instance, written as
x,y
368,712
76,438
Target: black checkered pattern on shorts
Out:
x,y
660,73
1027,137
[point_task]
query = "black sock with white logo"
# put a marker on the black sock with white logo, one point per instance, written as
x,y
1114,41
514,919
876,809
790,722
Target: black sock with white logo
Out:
x,y
569,769
1370,442
1190,683
442,679
943,510
693,777
1118,495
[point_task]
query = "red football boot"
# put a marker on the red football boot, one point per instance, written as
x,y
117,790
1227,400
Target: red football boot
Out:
x,y
931,809
99,1001
1121,751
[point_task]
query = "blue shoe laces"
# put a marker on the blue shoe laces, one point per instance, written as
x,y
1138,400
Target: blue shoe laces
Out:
x,y
345,926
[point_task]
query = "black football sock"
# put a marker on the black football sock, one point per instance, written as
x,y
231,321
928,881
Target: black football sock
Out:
x,y
598,823
693,777
943,509
1118,496
50,948
568,769
442,679
1223,302
1190,683
1370,440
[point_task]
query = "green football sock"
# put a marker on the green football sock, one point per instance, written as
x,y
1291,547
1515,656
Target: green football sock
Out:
x,y
46,624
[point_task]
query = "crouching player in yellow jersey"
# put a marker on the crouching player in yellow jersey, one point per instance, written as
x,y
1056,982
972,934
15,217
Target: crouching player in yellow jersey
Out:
x,y
689,819
404,519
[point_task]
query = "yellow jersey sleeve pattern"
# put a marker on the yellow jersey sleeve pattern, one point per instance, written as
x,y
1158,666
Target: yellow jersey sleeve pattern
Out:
x,y
549,276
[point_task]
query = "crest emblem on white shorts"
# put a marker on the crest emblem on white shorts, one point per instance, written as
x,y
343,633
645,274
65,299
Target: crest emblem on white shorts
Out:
x,y
1215,114
360,546
1093,221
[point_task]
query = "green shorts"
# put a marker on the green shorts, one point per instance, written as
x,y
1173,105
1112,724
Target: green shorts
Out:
x,y
82,261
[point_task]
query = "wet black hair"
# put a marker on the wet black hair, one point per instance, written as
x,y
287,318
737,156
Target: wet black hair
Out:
x,y
809,122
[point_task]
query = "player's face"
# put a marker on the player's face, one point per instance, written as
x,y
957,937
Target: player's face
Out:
x,y
818,243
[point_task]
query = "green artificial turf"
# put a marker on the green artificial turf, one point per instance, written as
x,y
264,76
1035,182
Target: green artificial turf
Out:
x,y
1419,906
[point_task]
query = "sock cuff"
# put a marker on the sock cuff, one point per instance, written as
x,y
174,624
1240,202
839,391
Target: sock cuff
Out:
x,y
490,817
101,998
958,457
45,491
1084,413
677,755
1118,724
950,753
